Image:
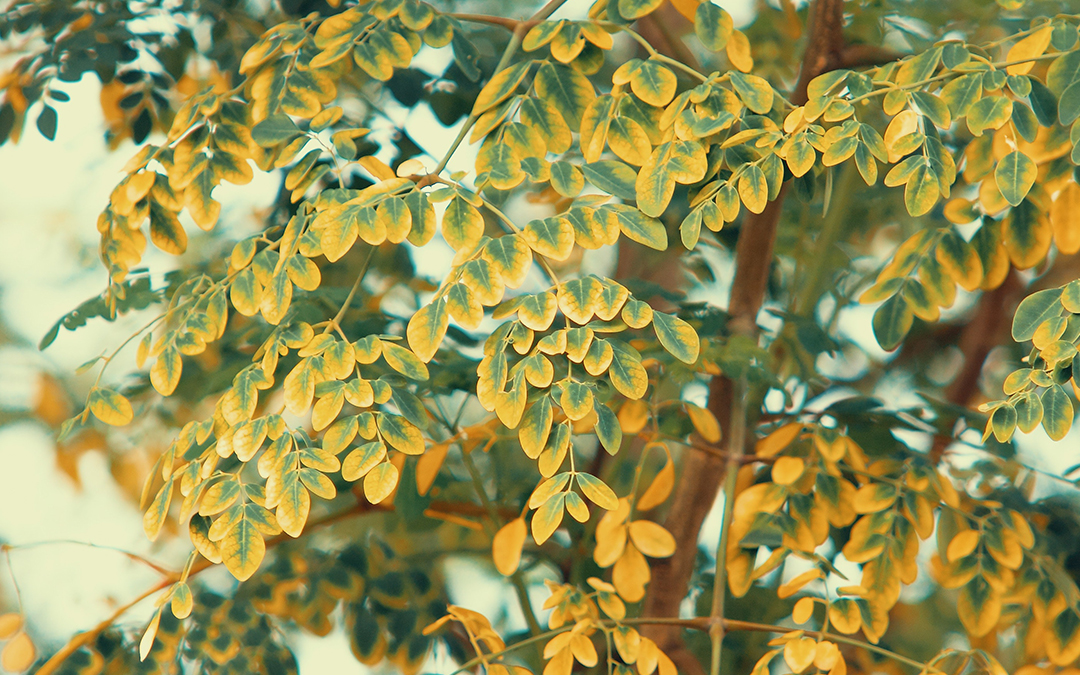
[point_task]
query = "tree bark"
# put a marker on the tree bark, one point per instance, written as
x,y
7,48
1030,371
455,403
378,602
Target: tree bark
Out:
x,y
702,474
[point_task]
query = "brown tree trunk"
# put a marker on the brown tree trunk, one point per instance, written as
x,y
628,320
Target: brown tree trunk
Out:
x,y
702,474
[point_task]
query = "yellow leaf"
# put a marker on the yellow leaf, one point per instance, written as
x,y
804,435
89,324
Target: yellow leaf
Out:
x,y
18,654
962,545
652,539
243,549
1065,219
145,644
1031,47
845,617
548,518
506,546
787,470
790,588
110,407
10,624
630,575
799,653
380,482
905,122
738,51
660,488
778,440
874,497
704,422
803,611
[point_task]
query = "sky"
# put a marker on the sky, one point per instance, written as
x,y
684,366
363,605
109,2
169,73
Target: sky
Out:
x,y
50,195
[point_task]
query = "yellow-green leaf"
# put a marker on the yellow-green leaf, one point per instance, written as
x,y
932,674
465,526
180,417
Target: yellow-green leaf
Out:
x,y
242,550
1015,174
427,328
500,86
109,406
677,337
400,434
404,361
380,482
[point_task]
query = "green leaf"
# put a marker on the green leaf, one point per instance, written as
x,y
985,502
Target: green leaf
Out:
x,y
639,227
1069,104
1003,423
677,337
1033,310
1015,174
922,191
567,90
500,87
400,434
613,177
608,430
713,26
274,130
892,321
566,179
1057,412
962,93
404,361
546,121
755,92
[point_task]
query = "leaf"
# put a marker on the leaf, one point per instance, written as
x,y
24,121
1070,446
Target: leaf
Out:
x,y
892,321
109,406
1015,174
274,130
1057,412
652,539
242,550
506,546
294,506
613,177
404,361
46,122
755,92
462,224
922,191
400,434
1033,311
677,337
576,400
640,227
653,83
673,162
597,491
754,189
704,422
567,90
551,237
547,519
635,9
500,87
380,482
713,26
660,488
1031,47
427,328
146,643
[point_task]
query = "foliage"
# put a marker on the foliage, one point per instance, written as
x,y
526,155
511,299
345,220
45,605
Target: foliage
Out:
x,y
436,353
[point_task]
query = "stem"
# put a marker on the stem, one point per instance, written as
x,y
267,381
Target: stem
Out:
x,y
515,41
831,227
516,578
731,474
335,322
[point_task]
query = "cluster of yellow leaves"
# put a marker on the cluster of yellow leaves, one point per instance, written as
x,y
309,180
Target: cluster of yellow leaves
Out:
x,y
801,652
805,491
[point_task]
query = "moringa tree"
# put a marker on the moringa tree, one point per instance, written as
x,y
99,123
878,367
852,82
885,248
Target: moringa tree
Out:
x,y
630,284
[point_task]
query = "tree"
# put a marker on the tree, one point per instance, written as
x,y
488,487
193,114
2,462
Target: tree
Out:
x,y
432,352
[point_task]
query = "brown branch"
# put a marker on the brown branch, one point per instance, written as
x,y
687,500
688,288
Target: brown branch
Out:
x,y
702,474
